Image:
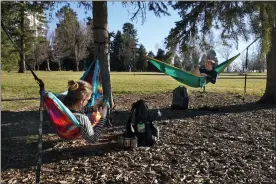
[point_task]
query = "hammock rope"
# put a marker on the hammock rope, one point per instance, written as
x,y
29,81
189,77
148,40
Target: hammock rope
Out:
x,y
246,66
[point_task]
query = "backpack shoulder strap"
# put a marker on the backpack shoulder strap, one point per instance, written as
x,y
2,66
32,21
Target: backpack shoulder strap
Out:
x,y
129,126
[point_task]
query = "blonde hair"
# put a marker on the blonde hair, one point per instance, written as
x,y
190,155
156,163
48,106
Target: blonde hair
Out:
x,y
77,90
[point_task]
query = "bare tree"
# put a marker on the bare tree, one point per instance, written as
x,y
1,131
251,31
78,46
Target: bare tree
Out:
x,y
80,44
225,51
90,39
61,45
259,59
236,67
71,39
40,52
50,50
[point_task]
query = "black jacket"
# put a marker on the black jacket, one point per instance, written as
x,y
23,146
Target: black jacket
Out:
x,y
212,75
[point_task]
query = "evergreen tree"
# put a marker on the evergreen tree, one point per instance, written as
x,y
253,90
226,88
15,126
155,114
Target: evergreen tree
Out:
x,y
16,16
160,55
142,63
129,47
9,55
116,52
151,54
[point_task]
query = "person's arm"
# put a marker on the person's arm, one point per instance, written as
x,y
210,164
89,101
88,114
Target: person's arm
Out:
x,y
90,134
196,71
203,72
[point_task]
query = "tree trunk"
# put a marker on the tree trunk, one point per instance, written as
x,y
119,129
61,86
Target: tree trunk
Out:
x,y
77,66
22,66
269,96
59,66
227,69
48,65
36,64
102,50
77,62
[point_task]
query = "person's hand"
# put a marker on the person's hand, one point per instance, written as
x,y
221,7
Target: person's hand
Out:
x,y
204,74
96,105
103,111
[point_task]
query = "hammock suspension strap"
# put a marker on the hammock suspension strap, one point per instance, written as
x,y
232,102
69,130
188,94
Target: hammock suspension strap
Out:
x,y
246,66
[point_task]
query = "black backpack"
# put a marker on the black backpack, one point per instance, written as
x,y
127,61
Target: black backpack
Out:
x,y
180,98
140,125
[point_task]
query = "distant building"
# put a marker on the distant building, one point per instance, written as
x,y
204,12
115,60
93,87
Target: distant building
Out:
x,y
39,27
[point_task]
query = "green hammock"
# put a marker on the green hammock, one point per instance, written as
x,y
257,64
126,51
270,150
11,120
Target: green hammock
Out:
x,y
185,77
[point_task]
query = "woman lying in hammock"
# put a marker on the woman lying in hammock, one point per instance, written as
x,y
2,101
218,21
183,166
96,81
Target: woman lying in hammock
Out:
x,y
79,93
207,71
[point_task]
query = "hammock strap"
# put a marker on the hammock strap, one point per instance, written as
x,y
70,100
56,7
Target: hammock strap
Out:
x,y
246,66
246,59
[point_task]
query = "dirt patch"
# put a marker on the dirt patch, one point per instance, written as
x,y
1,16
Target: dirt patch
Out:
x,y
219,139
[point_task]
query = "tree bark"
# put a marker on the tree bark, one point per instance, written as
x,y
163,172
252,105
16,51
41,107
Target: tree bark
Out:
x,y
77,62
59,66
101,40
77,66
22,66
269,96
48,65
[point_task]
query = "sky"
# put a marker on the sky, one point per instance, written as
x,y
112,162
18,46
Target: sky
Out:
x,y
151,33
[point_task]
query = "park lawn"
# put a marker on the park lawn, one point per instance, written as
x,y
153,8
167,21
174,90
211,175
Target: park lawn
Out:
x,y
23,86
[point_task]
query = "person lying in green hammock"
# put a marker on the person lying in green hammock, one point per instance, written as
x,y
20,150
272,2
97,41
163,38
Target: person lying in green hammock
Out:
x,y
79,93
207,71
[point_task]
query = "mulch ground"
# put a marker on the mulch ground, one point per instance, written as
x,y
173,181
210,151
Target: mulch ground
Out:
x,y
219,139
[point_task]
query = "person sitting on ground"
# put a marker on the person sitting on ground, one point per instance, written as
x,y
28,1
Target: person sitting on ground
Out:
x,y
207,71
79,93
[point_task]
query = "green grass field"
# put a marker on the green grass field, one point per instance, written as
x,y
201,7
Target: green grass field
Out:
x,y
23,86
